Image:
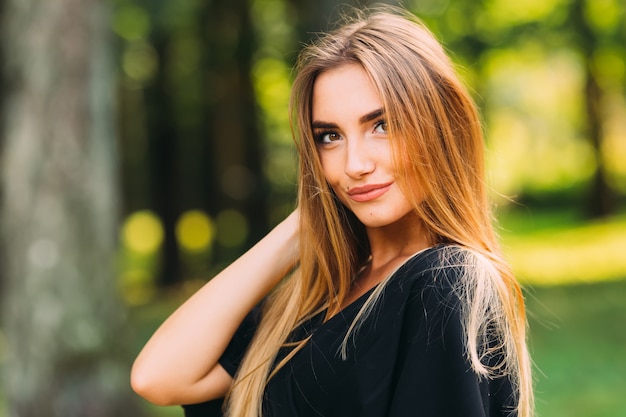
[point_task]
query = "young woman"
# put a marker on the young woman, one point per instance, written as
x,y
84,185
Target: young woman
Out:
x,y
384,294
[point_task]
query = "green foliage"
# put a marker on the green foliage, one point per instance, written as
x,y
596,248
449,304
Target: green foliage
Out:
x,y
533,65
131,22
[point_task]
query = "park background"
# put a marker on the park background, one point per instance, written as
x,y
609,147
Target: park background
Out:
x,y
144,144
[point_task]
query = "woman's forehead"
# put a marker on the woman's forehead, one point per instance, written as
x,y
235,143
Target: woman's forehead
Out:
x,y
344,91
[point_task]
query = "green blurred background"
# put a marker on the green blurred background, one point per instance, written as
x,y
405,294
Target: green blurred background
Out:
x,y
204,163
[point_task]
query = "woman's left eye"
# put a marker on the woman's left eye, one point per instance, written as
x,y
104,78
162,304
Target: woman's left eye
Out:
x,y
380,127
326,137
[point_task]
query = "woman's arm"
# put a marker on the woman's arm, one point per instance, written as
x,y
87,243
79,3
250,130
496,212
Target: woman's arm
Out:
x,y
179,364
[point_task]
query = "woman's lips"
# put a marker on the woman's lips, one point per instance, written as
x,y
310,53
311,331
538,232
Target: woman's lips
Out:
x,y
368,192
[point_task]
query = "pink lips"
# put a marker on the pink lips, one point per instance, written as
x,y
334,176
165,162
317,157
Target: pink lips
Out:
x,y
368,192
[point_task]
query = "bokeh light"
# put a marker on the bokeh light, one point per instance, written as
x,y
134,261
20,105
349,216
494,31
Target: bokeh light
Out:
x,y
142,232
131,22
195,231
232,228
140,61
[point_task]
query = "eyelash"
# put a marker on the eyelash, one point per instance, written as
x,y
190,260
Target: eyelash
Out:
x,y
319,137
381,122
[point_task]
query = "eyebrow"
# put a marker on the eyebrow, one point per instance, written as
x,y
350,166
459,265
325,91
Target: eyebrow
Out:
x,y
362,120
371,116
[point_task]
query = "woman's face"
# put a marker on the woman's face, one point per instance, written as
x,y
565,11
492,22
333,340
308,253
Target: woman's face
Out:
x,y
349,126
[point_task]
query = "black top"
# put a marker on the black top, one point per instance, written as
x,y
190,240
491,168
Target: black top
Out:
x,y
408,358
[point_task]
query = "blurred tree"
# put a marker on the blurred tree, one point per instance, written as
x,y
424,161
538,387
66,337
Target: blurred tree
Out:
x,y
320,16
237,151
203,147
592,30
63,322
163,143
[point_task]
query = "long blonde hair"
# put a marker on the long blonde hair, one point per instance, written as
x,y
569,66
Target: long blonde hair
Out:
x,y
439,156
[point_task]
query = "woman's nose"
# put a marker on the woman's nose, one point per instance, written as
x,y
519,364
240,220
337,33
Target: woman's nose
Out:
x,y
359,159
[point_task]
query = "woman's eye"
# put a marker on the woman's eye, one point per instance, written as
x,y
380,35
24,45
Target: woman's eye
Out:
x,y
381,127
327,137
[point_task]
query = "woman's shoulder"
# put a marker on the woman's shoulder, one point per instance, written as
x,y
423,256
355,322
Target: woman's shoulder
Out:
x,y
430,285
439,274
443,263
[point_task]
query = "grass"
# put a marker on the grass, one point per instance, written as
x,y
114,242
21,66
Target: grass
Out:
x,y
574,273
577,340
556,248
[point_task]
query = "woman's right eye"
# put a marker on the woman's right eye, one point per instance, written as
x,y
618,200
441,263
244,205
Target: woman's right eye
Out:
x,y
327,137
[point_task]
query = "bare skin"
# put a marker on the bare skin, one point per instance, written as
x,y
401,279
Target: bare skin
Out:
x,y
179,364
387,256
350,129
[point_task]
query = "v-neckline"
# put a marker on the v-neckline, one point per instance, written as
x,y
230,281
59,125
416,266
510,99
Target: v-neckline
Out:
x,y
360,300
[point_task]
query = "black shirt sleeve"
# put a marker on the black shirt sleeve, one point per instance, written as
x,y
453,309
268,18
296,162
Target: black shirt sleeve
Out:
x,y
230,361
236,349
205,409
433,375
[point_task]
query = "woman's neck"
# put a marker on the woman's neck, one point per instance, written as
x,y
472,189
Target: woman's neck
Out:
x,y
390,247
396,242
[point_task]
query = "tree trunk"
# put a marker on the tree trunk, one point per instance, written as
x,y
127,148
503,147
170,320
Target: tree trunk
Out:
x,y
600,200
163,146
237,151
61,316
